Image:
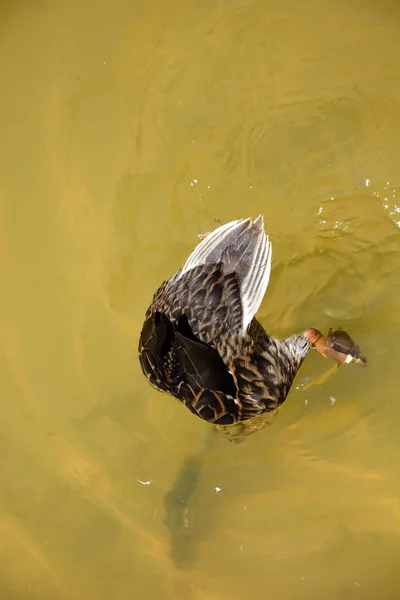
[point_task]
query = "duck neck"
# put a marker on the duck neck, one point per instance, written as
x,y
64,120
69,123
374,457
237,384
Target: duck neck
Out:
x,y
298,346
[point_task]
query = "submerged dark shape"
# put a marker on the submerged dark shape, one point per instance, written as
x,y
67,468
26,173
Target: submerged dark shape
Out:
x,y
177,510
201,342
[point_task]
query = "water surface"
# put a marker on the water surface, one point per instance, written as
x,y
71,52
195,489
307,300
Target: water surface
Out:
x,y
128,127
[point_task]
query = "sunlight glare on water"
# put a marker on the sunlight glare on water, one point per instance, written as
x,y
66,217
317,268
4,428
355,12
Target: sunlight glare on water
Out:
x,y
129,129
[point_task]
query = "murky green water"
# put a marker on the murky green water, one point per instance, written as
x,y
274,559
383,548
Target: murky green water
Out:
x,y
127,127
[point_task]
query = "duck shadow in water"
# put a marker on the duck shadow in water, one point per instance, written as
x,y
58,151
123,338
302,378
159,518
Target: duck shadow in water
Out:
x,y
178,503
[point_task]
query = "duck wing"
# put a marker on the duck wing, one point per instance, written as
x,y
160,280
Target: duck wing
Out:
x,y
174,360
153,347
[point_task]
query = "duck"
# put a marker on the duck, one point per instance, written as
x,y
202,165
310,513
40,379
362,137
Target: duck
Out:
x,y
201,341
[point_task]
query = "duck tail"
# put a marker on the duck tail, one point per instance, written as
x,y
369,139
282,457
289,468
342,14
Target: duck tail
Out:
x,y
243,248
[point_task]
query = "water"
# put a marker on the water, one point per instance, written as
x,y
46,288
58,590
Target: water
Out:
x,y
127,128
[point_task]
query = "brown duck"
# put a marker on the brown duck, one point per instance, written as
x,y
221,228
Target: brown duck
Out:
x,y
201,342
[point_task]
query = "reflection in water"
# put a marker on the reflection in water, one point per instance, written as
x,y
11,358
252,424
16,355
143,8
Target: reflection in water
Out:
x,y
125,133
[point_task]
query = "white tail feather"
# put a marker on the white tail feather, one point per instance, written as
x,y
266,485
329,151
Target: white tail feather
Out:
x,y
254,286
242,247
201,254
